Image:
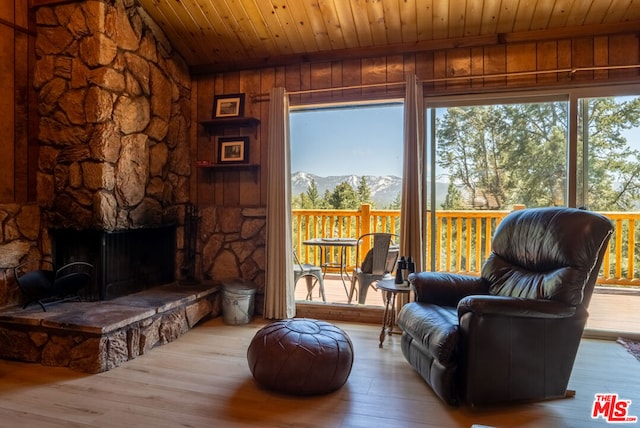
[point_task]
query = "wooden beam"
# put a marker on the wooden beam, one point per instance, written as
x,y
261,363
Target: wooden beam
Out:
x,y
572,32
38,3
426,46
344,54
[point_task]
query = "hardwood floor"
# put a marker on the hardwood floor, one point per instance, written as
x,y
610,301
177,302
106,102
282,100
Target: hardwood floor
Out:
x,y
610,315
202,380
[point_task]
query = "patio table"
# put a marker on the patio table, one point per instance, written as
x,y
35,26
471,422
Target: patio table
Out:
x,y
325,244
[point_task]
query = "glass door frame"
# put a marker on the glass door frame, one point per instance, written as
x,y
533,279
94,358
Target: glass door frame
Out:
x,y
576,98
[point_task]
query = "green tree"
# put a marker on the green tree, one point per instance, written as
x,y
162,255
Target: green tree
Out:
x,y
326,199
397,202
364,192
614,169
343,197
313,195
454,199
296,201
500,155
468,144
303,202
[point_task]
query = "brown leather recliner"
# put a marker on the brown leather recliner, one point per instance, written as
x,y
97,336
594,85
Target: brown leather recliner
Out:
x,y
511,334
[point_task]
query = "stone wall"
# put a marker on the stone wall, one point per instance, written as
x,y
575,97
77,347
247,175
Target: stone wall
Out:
x,y
114,104
231,245
94,337
20,242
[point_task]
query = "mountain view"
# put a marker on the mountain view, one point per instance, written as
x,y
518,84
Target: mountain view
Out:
x,y
384,189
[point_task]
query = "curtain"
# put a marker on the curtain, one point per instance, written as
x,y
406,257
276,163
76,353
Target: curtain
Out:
x,y
412,210
279,292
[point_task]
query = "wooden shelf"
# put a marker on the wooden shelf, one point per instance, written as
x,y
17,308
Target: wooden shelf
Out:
x,y
214,125
253,167
223,166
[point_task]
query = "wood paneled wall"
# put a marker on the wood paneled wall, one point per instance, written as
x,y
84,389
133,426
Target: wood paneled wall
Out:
x,y
18,108
478,69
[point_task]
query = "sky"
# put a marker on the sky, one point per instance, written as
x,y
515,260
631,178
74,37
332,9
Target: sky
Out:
x,y
345,141
359,141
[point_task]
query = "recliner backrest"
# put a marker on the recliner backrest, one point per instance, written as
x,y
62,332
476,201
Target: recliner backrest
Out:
x,y
548,253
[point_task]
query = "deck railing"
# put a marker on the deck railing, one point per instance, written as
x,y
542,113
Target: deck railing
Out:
x,y
463,239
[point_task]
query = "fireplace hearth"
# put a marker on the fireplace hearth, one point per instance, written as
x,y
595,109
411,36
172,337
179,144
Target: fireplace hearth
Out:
x,y
125,261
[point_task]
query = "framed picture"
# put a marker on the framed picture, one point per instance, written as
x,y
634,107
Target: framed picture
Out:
x,y
233,150
231,105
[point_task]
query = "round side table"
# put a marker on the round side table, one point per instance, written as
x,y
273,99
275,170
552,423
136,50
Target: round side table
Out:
x,y
391,289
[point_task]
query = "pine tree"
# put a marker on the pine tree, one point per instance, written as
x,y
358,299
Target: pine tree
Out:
x,y
313,195
500,155
343,197
397,202
454,199
364,192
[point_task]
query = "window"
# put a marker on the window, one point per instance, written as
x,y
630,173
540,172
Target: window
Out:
x,y
482,155
343,158
346,144
609,179
488,156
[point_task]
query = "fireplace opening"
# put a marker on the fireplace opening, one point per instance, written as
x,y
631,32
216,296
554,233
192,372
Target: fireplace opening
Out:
x,y
125,261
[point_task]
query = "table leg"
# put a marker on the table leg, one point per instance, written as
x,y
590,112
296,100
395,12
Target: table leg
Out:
x,y
323,260
392,315
343,271
310,283
388,317
344,258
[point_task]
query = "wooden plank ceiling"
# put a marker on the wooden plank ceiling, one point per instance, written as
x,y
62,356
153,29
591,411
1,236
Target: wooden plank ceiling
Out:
x,y
218,35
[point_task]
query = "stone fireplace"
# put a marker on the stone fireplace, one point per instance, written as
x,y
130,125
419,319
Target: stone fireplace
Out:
x,y
125,261
114,165
113,179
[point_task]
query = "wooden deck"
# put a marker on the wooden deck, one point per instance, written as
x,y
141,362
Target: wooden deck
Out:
x,y
611,315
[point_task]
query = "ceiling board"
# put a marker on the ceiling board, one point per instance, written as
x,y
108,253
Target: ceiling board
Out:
x,y
560,13
393,25
338,24
408,24
214,34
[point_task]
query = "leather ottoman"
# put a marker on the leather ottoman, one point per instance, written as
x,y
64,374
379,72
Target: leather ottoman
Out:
x,y
300,356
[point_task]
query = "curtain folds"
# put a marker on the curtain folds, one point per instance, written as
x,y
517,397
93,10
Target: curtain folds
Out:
x,y
412,214
279,292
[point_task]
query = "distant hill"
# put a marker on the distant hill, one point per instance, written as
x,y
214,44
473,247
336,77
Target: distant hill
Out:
x,y
384,189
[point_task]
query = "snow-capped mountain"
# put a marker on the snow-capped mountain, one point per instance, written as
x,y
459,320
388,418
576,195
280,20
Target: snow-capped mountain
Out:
x,y
384,189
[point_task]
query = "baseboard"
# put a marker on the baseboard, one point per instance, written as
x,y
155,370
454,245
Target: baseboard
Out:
x,y
609,335
340,312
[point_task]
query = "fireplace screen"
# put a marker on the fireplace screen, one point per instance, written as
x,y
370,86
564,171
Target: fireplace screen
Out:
x,y
125,261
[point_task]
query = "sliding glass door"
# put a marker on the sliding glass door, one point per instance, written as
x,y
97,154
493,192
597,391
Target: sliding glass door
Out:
x,y
487,158
609,155
609,180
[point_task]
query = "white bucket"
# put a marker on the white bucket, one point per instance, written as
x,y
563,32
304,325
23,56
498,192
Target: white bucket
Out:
x,y
238,302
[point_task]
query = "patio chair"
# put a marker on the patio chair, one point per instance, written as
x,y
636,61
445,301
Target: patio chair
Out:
x,y
311,273
47,287
376,265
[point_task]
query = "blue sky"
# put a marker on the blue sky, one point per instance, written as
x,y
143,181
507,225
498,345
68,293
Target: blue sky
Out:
x,y
360,141
343,141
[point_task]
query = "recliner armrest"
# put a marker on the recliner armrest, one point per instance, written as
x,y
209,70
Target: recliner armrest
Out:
x,y
514,307
446,288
